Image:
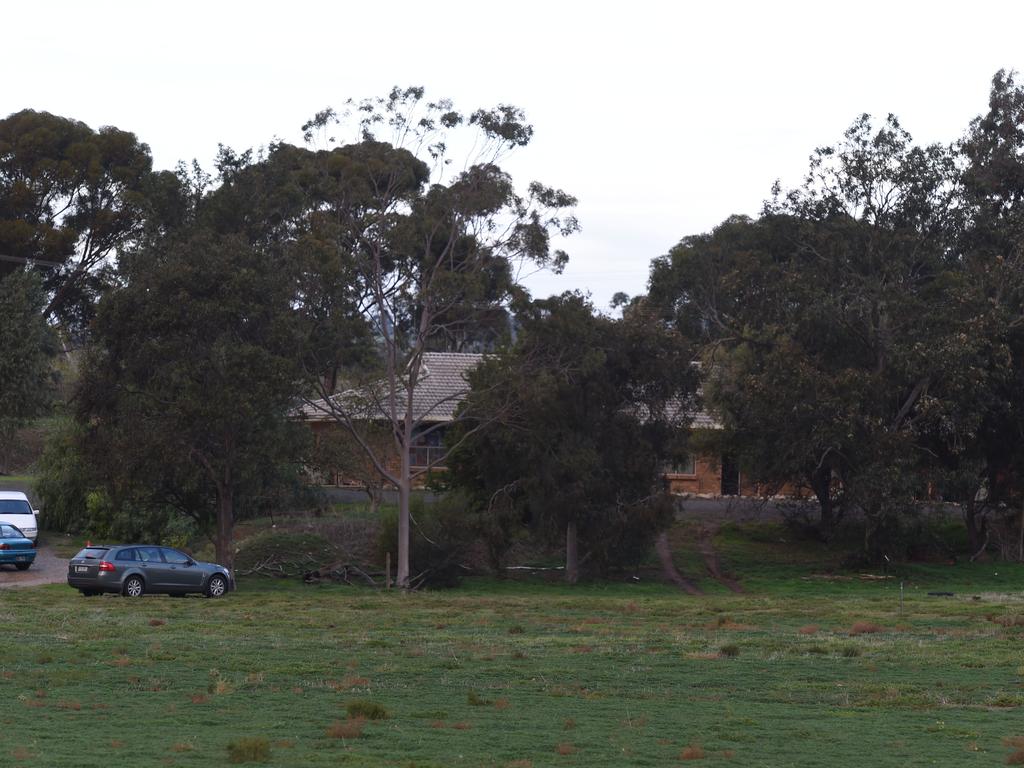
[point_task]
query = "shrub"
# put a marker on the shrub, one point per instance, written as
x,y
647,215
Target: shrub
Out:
x,y
850,651
255,750
730,651
439,540
368,710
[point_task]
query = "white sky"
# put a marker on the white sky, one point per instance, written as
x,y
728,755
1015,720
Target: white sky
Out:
x,y
662,118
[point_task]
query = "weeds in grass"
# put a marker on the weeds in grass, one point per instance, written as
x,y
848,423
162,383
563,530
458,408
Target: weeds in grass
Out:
x,y
44,658
730,651
221,687
346,729
253,750
565,748
519,655
865,628
693,752
516,630
475,700
850,651
368,710
1006,621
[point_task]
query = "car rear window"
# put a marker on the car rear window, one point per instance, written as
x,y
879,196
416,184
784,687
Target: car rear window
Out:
x,y
14,507
91,553
10,532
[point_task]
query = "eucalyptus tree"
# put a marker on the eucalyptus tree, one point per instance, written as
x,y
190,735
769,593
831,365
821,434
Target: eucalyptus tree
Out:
x,y
70,198
434,249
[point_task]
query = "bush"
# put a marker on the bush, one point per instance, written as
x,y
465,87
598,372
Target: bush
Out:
x,y
439,540
284,554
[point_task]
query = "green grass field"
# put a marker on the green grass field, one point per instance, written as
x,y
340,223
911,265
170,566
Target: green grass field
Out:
x,y
805,669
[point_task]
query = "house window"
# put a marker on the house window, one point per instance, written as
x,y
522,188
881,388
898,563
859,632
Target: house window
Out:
x,y
685,466
427,450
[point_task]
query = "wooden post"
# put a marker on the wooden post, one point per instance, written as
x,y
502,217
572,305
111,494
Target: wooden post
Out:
x,y
387,570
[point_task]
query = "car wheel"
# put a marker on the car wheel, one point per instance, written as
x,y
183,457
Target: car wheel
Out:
x,y
216,586
134,586
22,566
88,592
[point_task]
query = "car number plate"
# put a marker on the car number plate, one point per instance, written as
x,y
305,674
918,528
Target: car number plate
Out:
x,y
81,569
20,558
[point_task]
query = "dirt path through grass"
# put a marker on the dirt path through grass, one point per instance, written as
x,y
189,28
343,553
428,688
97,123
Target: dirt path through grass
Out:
x,y
706,545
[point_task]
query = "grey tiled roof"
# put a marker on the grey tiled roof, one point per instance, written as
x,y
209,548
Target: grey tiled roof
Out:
x,y
442,385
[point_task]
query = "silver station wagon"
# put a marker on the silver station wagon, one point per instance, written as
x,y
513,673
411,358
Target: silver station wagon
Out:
x,y
136,569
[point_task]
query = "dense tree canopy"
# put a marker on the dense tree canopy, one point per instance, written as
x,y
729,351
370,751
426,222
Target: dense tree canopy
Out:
x,y
593,410
70,197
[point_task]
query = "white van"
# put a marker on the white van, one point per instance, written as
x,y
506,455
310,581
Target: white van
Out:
x,y
16,510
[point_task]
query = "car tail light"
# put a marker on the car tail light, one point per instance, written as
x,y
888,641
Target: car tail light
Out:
x,y
5,546
105,566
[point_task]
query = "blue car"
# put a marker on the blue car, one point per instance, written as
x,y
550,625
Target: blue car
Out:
x,y
15,547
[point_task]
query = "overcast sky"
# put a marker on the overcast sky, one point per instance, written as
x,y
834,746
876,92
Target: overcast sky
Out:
x,y
662,118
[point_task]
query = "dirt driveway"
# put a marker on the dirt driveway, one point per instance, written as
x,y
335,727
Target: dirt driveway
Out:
x,y
47,569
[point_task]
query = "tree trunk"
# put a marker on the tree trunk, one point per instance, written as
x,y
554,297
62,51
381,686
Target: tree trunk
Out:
x,y
404,492
225,543
974,522
572,559
821,484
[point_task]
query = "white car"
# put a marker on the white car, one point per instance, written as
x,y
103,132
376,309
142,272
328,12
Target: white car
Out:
x,y
16,510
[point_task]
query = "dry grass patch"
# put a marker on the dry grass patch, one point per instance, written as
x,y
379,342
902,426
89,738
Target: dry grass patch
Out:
x,y
866,628
200,698
501,703
156,622
20,753
519,764
808,629
461,726
252,750
569,724
346,729
565,748
693,752
182,746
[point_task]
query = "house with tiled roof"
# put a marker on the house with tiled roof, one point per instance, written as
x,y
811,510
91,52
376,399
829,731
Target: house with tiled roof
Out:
x,y
440,388
443,384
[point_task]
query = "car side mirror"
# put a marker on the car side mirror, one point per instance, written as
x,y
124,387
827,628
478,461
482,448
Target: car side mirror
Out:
x,y
190,561
35,512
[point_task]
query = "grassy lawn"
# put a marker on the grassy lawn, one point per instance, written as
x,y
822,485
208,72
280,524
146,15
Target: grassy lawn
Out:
x,y
807,668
